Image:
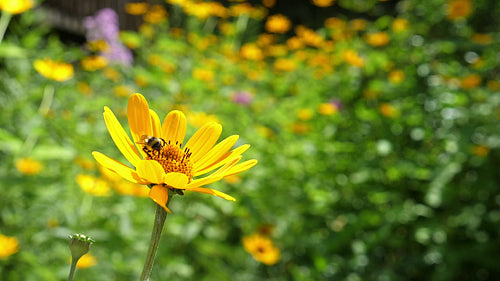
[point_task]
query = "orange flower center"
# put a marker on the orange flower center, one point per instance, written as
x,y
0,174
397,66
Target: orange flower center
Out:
x,y
174,159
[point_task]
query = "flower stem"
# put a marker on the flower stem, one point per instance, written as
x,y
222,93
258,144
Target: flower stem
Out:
x,y
160,216
72,270
4,22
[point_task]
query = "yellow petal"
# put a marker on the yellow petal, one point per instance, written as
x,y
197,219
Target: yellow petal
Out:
x,y
216,153
139,118
151,171
241,167
174,127
117,167
176,180
120,137
213,192
222,161
218,175
159,194
201,142
155,123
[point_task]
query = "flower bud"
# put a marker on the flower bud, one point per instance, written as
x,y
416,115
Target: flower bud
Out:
x,y
79,245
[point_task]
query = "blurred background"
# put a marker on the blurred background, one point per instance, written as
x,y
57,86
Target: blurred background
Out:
x,y
375,124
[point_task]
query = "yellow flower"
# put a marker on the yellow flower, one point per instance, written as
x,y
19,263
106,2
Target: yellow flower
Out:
x,y
84,88
92,185
94,63
16,6
139,8
122,91
261,248
323,3
86,260
480,150
8,246
388,110
284,65
58,71
377,39
483,39
268,3
156,14
358,24
309,36
112,74
305,114
171,165
327,108
203,74
396,76
295,43
471,81
97,45
250,51
459,9
400,24
278,24
352,58
198,119
28,166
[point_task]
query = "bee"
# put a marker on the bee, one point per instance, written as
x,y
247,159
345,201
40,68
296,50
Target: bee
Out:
x,y
151,144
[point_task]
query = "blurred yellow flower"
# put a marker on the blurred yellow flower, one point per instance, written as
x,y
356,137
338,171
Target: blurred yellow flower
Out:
x,y
283,64
305,114
138,8
8,246
122,91
86,261
85,163
234,179
388,110
480,150
377,39
295,43
300,128
278,24
471,81
92,185
309,36
141,80
396,76
58,71
146,30
94,63
84,88
203,74
28,166
327,108
171,166
156,14
459,9
357,24
112,74
323,3
266,39
16,6
400,24
250,51
261,248
493,85
268,3
352,58
198,119
483,39
97,45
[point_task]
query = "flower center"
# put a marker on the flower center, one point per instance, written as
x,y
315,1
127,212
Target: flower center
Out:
x,y
174,159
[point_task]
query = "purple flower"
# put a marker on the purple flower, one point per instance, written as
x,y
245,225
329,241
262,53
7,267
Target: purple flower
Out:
x,y
104,26
336,102
243,98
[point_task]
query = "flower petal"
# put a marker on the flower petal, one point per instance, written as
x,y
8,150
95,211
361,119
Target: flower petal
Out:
x,y
174,127
155,123
222,160
120,137
240,167
159,194
218,175
216,153
201,142
175,180
139,118
213,192
117,167
150,170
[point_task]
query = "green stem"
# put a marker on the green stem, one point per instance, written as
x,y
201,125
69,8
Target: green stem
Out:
x,y
160,216
72,270
4,22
